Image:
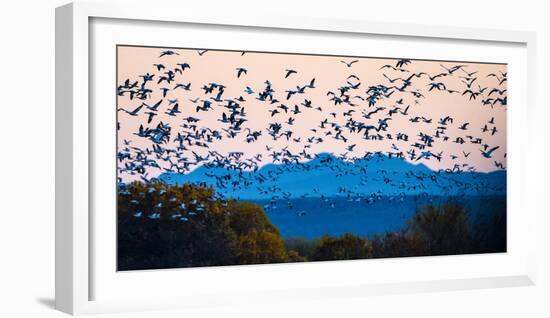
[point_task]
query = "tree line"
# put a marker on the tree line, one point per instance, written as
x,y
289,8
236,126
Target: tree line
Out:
x,y
174,226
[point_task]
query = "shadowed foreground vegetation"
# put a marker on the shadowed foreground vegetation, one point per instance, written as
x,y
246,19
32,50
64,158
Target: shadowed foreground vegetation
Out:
x,y
163,226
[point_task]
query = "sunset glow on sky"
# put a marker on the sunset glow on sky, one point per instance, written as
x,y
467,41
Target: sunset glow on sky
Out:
x,y
436,112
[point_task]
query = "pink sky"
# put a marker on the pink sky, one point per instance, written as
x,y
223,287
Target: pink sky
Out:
x,y
330,74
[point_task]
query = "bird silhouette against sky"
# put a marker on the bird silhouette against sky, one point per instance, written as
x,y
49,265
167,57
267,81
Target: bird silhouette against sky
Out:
x,y
180,109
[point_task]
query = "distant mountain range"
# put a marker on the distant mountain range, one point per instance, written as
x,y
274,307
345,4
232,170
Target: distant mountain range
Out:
x,y
329,176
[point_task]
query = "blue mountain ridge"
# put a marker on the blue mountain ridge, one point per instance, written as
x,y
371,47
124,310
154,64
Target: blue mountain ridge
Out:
x,y
329,176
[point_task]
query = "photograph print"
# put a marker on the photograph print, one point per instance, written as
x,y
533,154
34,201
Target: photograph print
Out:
x,y
240,157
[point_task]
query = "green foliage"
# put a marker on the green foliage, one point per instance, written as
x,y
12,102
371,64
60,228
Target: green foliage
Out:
x,y
204,231
395,244
441,230
258,241
163,226
302,246
347,246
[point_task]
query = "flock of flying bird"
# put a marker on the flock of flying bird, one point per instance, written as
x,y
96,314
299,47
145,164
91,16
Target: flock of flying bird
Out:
x,y
353,108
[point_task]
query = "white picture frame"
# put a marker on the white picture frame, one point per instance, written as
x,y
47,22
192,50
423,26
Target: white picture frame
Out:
x,y
75,267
